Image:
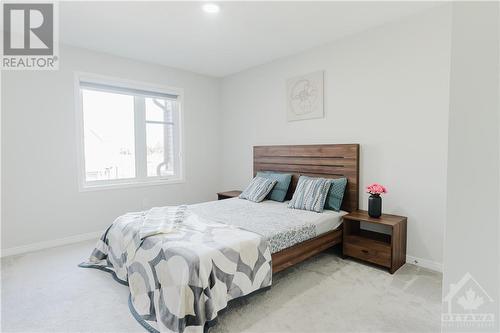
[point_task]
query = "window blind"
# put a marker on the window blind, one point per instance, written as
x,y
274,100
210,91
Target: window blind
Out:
x,y
126,91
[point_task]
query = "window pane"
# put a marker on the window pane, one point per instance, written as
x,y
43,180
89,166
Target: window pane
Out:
x,y
158,109
159,140
108,135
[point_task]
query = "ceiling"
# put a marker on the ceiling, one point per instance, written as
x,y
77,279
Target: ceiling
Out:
x,y
241,35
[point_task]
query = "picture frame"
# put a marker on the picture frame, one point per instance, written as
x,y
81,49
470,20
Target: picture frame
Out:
x,y
305,96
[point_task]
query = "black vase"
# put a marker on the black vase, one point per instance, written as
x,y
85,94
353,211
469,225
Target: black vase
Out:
x,y
375,205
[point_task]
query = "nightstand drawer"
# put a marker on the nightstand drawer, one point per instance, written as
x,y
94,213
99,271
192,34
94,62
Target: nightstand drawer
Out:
x,y
380,255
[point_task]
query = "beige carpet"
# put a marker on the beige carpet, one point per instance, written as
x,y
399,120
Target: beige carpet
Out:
x,y
46,292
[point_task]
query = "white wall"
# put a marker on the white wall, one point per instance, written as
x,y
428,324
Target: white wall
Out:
x,y
386,89
472,226
40,198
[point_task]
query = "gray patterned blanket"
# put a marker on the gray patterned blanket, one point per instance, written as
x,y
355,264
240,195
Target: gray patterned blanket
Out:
x,y
184,270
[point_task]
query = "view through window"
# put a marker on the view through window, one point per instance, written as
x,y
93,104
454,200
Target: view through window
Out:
x,y
129,135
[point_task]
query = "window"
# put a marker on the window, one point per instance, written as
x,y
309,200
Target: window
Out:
x,y
129,134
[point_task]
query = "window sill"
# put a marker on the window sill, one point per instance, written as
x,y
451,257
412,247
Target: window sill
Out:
x,y
131,184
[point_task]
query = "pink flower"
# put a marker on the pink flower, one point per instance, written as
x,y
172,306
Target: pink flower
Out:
x,y
376,188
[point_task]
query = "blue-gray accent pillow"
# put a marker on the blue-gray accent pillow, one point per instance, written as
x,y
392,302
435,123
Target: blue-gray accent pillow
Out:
x,y
310,194
281,188
336,194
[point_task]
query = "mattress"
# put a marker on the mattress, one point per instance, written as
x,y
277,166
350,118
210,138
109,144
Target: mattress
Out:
x,y
281,226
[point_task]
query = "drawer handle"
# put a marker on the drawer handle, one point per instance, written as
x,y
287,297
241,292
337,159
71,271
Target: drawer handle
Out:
x,y
364,251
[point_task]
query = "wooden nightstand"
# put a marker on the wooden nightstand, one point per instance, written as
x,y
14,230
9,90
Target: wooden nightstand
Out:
x,y
378,248
227,195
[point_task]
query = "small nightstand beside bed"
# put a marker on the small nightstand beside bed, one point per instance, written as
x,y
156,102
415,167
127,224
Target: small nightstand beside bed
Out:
x,y
384,249
183,272
228,195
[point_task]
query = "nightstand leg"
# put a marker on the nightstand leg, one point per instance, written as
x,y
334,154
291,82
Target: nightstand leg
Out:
x,y
342,255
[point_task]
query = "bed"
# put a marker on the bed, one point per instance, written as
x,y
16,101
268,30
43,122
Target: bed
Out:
x,y
181,277
328,161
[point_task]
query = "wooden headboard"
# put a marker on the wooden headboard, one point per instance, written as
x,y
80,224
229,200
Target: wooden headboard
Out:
x,y
327,161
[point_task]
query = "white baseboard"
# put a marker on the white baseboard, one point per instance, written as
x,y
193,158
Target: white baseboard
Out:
x,y
48,244
429,264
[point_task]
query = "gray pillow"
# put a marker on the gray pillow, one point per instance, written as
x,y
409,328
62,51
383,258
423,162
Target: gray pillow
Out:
x,y
258,189
310,194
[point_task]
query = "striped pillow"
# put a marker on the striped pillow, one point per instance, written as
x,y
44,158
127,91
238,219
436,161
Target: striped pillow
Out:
x,y
258,189
310,194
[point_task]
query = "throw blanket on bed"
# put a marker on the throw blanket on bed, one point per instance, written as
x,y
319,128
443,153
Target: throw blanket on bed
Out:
x,y
162,220
186,268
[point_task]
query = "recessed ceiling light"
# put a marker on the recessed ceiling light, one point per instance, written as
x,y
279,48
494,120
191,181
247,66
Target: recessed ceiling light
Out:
x,y
211,8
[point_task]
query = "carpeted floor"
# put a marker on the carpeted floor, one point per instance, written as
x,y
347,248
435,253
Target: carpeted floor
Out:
x,y
45,291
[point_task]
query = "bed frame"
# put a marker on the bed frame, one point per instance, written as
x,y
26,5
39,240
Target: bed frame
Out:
x,y
327,161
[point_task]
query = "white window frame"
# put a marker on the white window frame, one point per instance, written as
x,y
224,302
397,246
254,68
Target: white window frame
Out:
x,y
83,185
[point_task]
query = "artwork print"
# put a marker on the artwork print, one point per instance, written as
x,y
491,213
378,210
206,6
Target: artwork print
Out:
x,y
305,97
